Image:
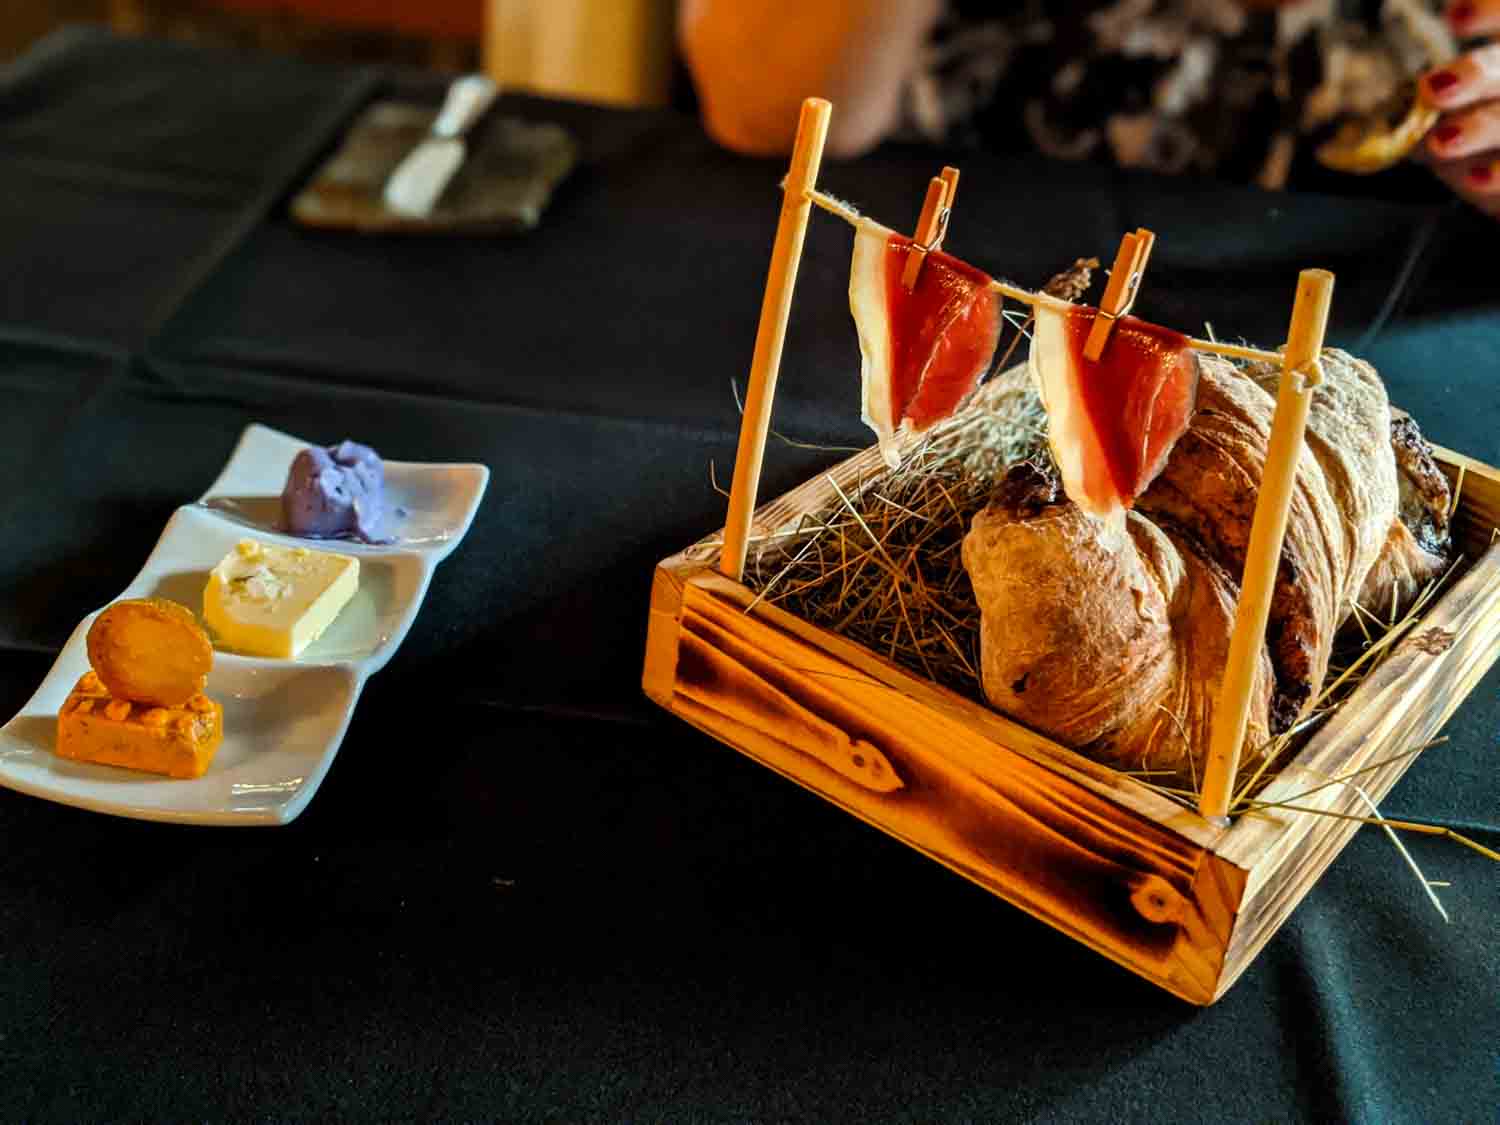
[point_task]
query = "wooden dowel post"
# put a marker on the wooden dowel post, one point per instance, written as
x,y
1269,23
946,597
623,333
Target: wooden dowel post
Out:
x,y
765,364
1267,530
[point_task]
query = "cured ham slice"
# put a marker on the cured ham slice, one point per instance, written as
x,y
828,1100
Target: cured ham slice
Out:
x,y
1111,424
922,351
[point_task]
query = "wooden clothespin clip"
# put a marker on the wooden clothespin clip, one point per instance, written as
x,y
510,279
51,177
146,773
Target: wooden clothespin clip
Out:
x,y
932,226
1119,295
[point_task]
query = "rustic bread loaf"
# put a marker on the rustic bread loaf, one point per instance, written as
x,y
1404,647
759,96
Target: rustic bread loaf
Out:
x,y
1114,640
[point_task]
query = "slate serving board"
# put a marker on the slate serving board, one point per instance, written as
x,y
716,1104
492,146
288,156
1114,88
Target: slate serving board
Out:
x,y
504,185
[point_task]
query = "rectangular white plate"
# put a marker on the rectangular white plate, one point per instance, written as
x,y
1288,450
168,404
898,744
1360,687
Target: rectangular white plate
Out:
x,y
283,719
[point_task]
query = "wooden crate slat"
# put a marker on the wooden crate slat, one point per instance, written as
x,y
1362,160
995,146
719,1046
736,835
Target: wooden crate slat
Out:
x,y
1478,513
998,729
1118,881
1379,717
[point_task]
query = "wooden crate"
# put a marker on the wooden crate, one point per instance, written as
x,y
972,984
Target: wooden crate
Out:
x,y
1090,851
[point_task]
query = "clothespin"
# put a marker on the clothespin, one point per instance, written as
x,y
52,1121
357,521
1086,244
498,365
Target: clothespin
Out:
x,y
1119,295
932,226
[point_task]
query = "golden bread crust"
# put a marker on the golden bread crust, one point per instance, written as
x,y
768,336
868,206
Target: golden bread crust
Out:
x,y
1113,640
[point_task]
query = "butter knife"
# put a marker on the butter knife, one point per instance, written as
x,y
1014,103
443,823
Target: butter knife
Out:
x,y
421,177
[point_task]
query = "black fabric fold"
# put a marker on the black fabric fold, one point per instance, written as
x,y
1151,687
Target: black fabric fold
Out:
x,y
132,167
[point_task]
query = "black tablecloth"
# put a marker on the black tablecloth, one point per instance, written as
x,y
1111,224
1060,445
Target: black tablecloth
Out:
x,y
522,892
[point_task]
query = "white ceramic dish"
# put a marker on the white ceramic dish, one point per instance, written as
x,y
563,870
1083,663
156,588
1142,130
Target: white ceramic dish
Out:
x,y
283,719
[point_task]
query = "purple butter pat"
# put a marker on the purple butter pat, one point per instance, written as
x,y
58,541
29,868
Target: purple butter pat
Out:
x,y
337,492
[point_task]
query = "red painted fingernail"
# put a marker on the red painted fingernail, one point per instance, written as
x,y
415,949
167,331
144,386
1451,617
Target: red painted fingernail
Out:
x,y
1483,174
1461,14
1447,134
1441,80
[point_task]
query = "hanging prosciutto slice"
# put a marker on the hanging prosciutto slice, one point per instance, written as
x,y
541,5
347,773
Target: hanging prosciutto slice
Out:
x,y
1111,424
924,350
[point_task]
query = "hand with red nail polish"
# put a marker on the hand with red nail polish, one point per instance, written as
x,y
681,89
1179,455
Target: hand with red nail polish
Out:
x,y
1442,81
1464,146
1474,17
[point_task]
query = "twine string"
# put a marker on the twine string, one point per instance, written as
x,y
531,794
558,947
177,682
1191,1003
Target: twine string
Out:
x,y
851,215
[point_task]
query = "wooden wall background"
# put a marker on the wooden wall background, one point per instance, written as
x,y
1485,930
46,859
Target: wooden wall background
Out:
x,y
23,22
615,51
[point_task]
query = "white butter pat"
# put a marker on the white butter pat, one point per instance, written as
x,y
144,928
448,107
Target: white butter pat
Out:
x,y
275,601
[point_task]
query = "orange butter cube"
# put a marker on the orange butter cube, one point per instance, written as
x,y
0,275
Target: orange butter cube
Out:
x,y
93,726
